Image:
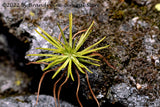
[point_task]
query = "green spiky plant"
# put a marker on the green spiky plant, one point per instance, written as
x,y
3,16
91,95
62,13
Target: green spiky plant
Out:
x,y
67,54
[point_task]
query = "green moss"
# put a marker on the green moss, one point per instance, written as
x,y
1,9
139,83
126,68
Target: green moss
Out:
x,y
119,14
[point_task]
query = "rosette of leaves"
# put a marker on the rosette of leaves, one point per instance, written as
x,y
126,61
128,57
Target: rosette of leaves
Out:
x,y
67,54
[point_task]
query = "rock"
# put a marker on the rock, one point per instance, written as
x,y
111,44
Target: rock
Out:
x,y
3,47
143,2
131,30
3,43
30,101
26,13
140,65
12,80
128,96
20,20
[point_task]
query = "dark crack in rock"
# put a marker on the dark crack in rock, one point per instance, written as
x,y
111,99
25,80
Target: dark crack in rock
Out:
x,y
12,80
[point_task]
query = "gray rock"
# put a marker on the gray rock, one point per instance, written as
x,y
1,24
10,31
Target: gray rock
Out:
x,y
149,42
143,2
129,96
22,19
30,101
12,80
139,69
3,43
134,44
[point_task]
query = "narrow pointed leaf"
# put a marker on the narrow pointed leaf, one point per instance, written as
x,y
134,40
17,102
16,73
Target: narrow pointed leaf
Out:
x,y
63,36
74,44
57,46
87,57
93,50
70,69
93,45
83,66
65,46
84,37
40,55
50,59
88,62
77,63
60,68
59,50
49,49
56,62
70,30
68,74
80,41
49,37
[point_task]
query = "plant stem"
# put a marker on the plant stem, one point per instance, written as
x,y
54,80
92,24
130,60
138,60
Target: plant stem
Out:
x,y
78,87
91,89
54,87
59,90
40,82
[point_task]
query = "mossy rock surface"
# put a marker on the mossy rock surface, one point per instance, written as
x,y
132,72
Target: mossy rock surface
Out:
x,y
131,28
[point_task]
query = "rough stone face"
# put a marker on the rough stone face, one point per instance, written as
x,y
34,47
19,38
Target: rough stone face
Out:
x,y
21,20
143,2
12,80
30,101
129,96
3,44
131,29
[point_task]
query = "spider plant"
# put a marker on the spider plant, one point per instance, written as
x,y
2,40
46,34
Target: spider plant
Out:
x,y
66,55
